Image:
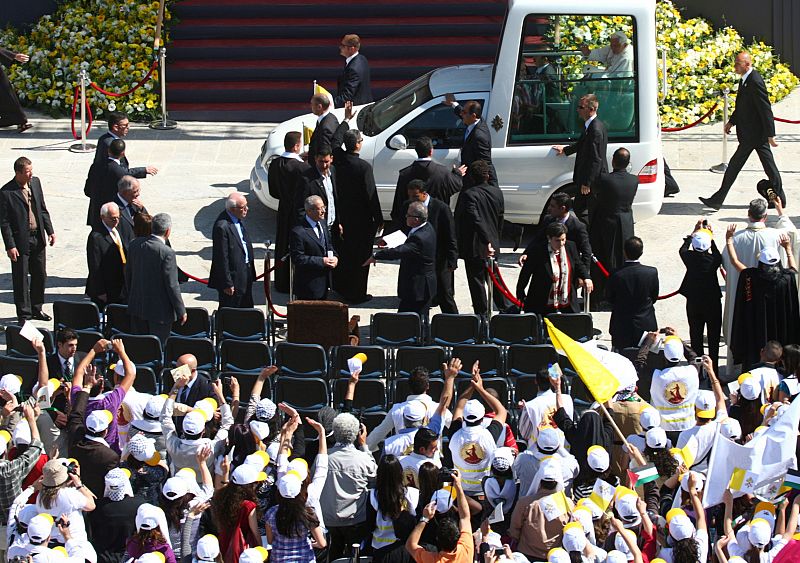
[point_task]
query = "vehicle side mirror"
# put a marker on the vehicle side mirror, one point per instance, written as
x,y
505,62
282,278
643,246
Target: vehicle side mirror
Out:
x,y
398,143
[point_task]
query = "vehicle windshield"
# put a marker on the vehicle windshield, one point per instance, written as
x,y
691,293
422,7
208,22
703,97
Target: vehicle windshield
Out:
x,y
373,119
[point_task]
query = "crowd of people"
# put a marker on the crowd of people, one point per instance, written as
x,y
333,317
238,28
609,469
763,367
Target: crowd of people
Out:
x,y
91,469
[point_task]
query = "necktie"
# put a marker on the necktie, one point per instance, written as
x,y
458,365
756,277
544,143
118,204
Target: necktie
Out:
x,y
184,394
118,242
26,193
319,233
67,370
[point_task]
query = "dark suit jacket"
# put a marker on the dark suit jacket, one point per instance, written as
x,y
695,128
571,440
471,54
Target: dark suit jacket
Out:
x,y
106,271
753,114
201,389
416,280
103,186
228,268
310,183
14,215
312,278
441,219
322,135
590,154
125,226
353,85
151,276
612,221
478,146
479,220
95,459
357,206
700,284
632,291
56,369
539,268
101,153
576,232
440,181
284,175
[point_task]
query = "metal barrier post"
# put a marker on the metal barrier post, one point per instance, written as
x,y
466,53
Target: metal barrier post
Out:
x,y
83,146
723,166
163,123
586,301
491,289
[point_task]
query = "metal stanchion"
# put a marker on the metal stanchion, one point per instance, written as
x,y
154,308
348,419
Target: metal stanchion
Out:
x,y
83,146
490,261
723,166
163,123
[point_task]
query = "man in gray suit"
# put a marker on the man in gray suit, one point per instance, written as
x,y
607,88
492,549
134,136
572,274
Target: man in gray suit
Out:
x,y
154,301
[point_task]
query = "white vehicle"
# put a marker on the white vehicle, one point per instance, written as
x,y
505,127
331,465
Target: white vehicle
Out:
x,y
528,109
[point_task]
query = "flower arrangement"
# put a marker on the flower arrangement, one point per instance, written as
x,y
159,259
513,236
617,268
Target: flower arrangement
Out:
x,y
699,60
112,41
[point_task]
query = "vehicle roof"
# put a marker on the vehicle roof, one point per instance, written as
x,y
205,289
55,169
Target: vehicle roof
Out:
x,y
582,6
462,78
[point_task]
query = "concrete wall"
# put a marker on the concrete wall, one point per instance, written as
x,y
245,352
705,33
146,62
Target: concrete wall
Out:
x,y
21,14
771,21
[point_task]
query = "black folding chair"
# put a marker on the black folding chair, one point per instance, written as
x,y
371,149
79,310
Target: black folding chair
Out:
x,y
522,359
308,393
401,389
507,329
20,347
198,324
200,348
370,394
77,315
577,326
409,357
87,339
374,367
144,350
395,329
240,324
26,368
499,384
487,354
117,321
145,381
244,356
301,360
452,330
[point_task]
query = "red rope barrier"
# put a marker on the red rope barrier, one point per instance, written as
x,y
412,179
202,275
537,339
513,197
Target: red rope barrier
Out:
x,y
74,111
792,121
684,127
668,295
132,90
606,274
205,281
268,290
503,290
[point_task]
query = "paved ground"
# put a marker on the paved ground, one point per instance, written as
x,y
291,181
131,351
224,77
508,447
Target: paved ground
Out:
x,y
199,163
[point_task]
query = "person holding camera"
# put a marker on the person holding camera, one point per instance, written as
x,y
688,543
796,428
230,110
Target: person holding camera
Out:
x,y
700,287
454,543
63,492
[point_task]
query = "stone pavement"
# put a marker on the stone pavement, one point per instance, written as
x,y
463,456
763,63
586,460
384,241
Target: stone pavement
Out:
x,y
200,163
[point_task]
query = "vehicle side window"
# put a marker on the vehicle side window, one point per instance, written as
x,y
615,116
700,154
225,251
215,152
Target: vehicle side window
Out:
x,y
563,58
438,122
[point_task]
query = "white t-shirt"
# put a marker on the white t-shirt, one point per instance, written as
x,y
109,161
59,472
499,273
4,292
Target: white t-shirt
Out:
x,y
71,502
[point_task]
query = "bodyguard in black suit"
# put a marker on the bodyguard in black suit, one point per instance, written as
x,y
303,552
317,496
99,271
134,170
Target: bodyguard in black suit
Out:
x,y
353,85
326,126
590,155
477,139
441,219
283,175
358,211
632,291
106,255
106,177
479,220
26,227
416,281
755,130
319,180
232,260
441,182
313,256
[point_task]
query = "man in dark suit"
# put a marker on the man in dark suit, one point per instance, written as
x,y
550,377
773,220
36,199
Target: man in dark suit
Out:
x,y
106,180
477,139
479,220
416,281
612,222
755,130
320,180
232,261
106,256
313,257
559,210
198,387
326,126
26,227
128,191
632,291
62,363
283,175
11,112
353,85
441,219
590,155
151,274
441,182
359,213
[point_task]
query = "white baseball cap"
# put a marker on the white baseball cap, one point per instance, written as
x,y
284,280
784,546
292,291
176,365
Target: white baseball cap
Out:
x,y
680,527
558,555
5,440
11,383
705,404
246,474
194,422
260,429
474,410
673,348
152,557
144,449
40,527
414,411
598,459
175,487
649,418
759,535
118,484
22,433
701,240
731,428
615,556
502,459
656,438
98,421
769,256
574,538
254,555
258,459
207,548
444,498
749,386
300,466
621,546
550,439
290,484
208,406
628,510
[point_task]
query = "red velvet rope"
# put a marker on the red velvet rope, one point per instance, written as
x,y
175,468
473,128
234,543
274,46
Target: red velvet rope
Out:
x,y
266,288
782,120
74,111
606,274
132,90
684,127
502,289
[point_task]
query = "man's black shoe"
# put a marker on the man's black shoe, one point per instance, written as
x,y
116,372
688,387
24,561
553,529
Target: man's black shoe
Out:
x,y
708,202
42,316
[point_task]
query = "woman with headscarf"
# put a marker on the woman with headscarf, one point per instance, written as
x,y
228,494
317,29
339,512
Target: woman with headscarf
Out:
x,y
151,534
500,487
114,519
766,305
147,468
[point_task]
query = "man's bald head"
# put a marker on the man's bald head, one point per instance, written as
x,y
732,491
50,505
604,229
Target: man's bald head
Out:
x,y
188,360
743,63
236,204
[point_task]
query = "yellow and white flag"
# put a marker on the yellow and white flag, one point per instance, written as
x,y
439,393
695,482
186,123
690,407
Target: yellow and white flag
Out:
x,y
321,90
599,380
602,494
307,132
554,505
743,480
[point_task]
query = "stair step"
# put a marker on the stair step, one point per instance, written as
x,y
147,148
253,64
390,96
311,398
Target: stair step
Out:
x,y
260,91
252,112
353,11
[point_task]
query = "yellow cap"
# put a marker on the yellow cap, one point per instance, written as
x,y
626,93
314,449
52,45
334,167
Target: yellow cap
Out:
x,y
361,356
673,513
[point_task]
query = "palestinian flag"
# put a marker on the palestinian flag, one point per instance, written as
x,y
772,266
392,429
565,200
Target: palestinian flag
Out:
x,y
644,474
792,479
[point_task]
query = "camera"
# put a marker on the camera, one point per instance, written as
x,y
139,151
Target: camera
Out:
x,y
72,468
698,360
446,475
705,223
109,347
